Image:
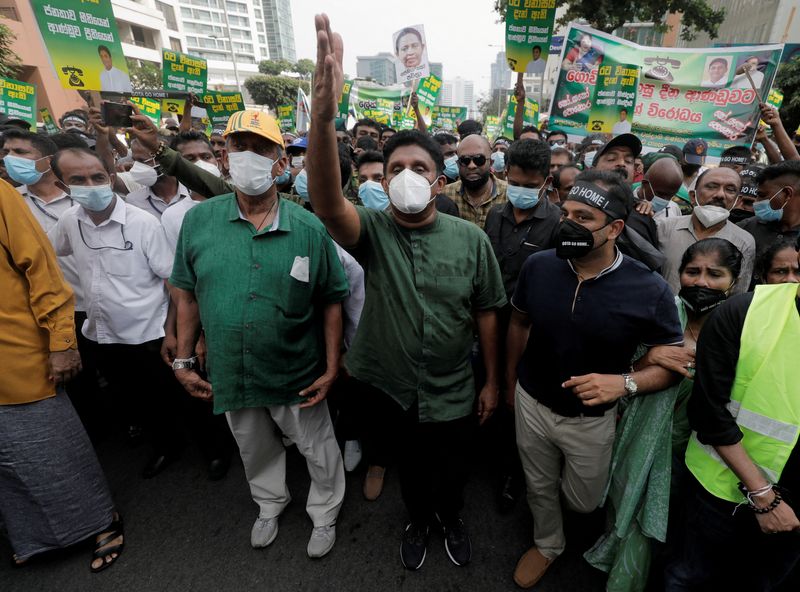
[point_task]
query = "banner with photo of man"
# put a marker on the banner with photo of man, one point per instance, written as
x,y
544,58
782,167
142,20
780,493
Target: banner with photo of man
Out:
x,y
529,28
18,100
448,118
614,98
682,93
411,54
82,40
427,95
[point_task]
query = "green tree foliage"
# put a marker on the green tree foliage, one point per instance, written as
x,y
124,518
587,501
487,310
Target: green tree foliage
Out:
x,y
275,67
274,90
608,15
304,67
144,74
9,61
788,82
495,103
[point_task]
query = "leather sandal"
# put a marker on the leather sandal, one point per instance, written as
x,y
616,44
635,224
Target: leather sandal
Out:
x,y
101,551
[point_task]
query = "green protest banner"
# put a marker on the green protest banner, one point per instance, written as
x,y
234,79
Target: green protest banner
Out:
x,y
427,94
183,72
18,100
682,93
492,126
529,27
49,122
286,117
530,117
221,105
614,99
383,104
82,40
344,99
150,108
444,117
172,107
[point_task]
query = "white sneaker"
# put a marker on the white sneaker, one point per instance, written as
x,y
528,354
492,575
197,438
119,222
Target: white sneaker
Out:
x,y
352,455
264,532
321,541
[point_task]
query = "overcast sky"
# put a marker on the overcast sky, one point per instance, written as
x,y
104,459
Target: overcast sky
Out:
x,y
460,33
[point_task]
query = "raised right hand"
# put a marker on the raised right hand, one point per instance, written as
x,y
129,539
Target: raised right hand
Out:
x,y
144,130
329,75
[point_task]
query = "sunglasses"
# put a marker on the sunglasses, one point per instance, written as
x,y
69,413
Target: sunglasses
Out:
x,y
478,159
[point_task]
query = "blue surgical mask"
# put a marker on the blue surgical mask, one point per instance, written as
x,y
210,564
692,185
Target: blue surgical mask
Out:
x,y
498,161
523,198
659,203
92,197
284,177
301,184
451,167
22,170
373,196
764,212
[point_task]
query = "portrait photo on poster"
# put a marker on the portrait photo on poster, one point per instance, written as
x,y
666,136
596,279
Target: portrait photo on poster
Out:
x,y
411,53
584,55
716,72
753,64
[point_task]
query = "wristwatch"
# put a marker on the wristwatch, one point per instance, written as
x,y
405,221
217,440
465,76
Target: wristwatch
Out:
x,y
184,363
631,388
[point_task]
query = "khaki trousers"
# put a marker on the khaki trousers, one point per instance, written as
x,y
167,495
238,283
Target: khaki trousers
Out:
x,y
567,453
264,457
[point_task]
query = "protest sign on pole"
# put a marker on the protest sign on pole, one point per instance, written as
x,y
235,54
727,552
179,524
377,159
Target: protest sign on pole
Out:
x,y
344,99
18,100
377,103
49,122
183,72
682,93
492,127
172,107
82,40
427,95
411,54
302,112
286,117
614,99
529,27
530,117
221,105
149,107
445,117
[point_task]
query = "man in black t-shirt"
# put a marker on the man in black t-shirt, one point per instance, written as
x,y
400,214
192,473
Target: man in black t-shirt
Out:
x,y
579,314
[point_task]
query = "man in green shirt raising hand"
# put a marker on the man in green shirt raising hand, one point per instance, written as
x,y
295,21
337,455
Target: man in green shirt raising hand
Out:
x,y
430,279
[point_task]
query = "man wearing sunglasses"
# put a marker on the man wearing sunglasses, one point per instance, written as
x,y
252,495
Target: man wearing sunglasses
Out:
x,y
477,190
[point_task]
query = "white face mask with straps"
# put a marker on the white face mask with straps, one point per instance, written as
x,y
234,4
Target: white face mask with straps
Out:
x,y
410,192
251,173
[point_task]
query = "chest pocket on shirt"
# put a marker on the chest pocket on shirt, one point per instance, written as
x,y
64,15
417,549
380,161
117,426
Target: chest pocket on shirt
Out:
x,y
297,294
118,263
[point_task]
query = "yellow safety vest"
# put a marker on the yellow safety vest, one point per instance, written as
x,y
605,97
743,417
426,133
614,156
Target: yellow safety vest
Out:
x,y
765,399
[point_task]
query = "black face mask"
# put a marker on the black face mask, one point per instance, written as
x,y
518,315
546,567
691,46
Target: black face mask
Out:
x,y
573,241
738,215
701,300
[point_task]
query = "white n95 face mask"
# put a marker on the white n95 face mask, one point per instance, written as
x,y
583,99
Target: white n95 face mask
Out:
x,y
143,174
410,192
711,215
251,173
208,167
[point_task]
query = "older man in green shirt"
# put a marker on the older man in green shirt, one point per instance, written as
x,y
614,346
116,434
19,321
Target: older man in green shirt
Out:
x,y
430,280
265,280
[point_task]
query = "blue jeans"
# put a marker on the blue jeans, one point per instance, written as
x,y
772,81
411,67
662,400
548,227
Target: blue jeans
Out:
x,y
722,548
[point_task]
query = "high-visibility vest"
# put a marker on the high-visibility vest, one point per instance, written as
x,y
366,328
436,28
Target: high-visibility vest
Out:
x,y
765,399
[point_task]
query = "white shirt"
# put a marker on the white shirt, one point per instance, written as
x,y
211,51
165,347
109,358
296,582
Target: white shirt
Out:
x,y
536,66
691,185
145,199
115,80
741,82
621,127
354,303
126,300
48,214
172,220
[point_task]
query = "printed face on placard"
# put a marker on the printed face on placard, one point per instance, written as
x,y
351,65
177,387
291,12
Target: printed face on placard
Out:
x,y
409,49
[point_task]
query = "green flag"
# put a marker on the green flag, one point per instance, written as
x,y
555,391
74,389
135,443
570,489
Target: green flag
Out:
x,y
221,105
18,99
286,117
183,72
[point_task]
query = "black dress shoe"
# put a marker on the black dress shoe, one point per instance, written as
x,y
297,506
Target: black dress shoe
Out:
x,y
509,494
157,463
218,468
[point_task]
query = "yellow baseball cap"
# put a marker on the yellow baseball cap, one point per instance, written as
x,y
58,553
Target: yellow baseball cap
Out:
x,y
256,122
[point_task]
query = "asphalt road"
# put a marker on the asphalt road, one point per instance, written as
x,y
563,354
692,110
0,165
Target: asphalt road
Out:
x,y
184,532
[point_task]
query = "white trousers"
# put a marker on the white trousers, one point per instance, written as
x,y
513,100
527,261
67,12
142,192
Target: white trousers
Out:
x,y
264,457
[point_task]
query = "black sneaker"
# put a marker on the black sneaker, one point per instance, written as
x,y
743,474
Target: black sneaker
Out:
x,y
414,545
457,543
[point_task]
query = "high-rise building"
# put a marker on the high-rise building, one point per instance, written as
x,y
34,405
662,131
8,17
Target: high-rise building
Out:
x,y
379,68
753,21
437,69
501,73
459,93
280,33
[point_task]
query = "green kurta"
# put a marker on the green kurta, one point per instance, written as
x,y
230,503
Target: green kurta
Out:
x,y
416,331
261,298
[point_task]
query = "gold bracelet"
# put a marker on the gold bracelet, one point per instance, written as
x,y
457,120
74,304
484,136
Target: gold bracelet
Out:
x,y
162,145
